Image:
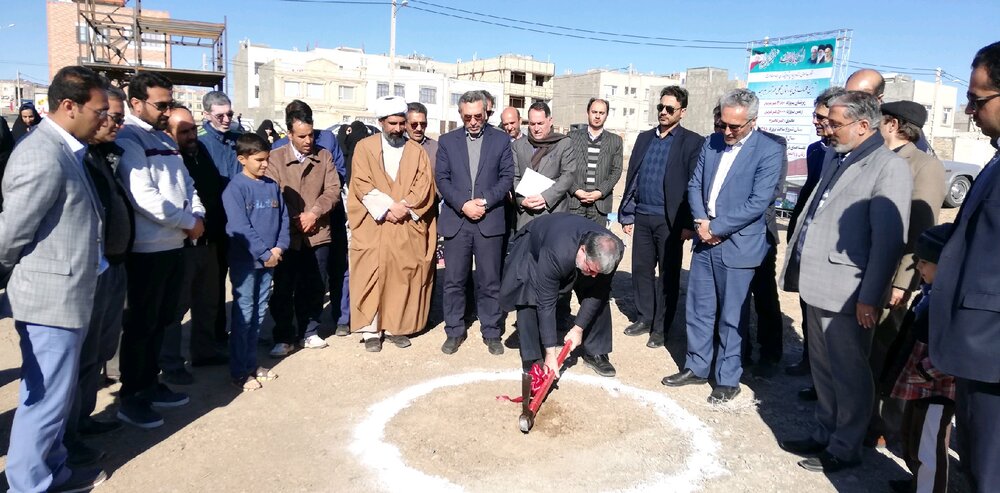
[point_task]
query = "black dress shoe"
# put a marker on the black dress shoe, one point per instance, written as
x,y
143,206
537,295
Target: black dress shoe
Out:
x,y
92,427
803,446
494,345
600,364
81,479
401,342
637,329
513,340
808,394
722,394
451,344
827,463
655,340
82,455
343,330
686,377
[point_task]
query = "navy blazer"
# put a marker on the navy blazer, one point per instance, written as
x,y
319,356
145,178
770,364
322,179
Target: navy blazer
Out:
x,y
965,299
680,165
542,266
746,193
494,179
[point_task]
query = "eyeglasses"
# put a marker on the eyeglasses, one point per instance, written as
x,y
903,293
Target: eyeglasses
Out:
x,y
101,114
117,118
975,104
416,125
837,126
221,116
468,118
162,106
670,109
732,127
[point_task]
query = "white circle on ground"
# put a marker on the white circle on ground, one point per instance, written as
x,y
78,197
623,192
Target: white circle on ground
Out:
x,y
385,459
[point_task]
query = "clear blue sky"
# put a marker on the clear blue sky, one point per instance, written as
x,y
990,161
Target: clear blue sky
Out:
x,y
917,34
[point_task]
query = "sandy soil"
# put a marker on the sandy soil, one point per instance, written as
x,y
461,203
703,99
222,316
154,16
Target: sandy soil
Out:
x,y
301,431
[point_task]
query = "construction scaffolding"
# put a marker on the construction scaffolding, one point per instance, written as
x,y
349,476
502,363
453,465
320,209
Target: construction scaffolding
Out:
x,y
117,38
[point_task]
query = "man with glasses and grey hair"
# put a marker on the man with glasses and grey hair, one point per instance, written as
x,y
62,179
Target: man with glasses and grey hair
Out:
x,y
847,244
216,133
654,211
732,186
551,256
474,172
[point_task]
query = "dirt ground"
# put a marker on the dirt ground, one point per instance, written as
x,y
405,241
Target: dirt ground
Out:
x,y
340,419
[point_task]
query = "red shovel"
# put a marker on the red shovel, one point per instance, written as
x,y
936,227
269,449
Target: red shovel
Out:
x,y
530,410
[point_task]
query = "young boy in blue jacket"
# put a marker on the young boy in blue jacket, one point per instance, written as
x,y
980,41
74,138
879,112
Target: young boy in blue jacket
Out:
x,y
258,230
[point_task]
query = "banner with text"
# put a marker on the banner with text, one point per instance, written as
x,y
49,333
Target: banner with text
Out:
x,y
787,78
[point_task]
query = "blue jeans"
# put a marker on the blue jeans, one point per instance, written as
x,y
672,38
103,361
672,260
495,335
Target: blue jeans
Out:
x,y
36,458
251,290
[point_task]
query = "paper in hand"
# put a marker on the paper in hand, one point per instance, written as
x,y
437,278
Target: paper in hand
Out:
x,y
533,183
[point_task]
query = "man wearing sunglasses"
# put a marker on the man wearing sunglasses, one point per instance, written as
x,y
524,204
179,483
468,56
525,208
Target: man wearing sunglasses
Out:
x,y
729,193
416,129
168,212
841,259
965,321
216,133
654,210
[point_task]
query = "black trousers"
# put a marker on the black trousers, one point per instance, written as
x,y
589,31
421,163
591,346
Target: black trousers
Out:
x,y
458,253
654,246
596,337
337,266
764,289
221,329
154,285
299,286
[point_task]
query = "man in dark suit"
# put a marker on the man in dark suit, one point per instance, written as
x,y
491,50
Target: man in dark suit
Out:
x,y
474,172
965,306
600,165
51,237
729,193
655,212
552,256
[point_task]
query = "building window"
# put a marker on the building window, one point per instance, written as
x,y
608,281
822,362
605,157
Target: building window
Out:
x,y
428,95
399,90
314,91
538,100
611,112
539,80
347,93
291,89
516,101
517,78
82,33
631,111
454,98
946,116
383,90
633,91
610,91
256,67
256,92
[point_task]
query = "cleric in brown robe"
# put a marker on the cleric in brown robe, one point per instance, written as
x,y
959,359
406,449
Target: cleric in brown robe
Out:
x,y
392,216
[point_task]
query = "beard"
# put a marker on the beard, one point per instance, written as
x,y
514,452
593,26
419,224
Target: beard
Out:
x,y
395,139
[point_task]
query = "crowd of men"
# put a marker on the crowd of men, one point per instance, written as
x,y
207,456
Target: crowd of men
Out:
x,y
116,200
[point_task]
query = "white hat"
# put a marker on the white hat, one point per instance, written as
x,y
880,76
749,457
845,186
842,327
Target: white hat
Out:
x,y
388,106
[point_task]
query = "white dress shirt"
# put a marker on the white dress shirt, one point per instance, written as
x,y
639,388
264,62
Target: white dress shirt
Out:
x,y
725,166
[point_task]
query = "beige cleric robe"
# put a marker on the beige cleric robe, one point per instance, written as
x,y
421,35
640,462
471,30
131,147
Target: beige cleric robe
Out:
x,y
392,265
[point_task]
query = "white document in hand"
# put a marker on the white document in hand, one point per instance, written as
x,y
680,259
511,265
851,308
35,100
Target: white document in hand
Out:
x,y
533,183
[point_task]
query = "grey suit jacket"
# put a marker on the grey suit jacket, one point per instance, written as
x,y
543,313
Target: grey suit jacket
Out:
x,y
855,240
560,165
609,168
50,231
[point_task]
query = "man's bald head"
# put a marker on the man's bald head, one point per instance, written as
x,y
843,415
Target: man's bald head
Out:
x,y
183,129
867,80
510,119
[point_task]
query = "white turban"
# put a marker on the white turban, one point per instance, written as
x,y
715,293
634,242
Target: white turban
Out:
x,y
388,106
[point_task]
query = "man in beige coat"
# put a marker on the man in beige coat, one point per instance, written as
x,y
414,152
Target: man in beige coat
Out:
x,y
901,124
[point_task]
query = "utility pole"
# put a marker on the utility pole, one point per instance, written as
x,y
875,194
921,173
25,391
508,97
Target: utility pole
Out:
x,y
392,45
934,106
18,94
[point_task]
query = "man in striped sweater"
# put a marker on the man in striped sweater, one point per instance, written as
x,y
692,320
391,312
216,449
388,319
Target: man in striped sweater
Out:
x,y
591,194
